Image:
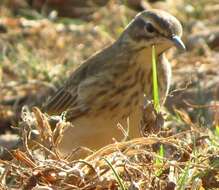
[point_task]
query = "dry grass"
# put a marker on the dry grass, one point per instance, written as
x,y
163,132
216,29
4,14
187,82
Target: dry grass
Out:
x,y
189,159
35,54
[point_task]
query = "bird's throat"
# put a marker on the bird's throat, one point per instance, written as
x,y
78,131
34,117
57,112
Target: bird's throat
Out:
x,y
144,61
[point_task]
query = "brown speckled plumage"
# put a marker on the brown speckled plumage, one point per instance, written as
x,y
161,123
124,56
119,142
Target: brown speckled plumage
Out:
x,y
110,86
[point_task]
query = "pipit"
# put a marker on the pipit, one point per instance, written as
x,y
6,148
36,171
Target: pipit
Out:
x,y
111,85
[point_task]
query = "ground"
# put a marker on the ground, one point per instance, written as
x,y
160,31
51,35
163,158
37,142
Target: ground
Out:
x,y
36,48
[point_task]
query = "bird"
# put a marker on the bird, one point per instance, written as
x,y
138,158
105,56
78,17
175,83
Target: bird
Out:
x,y
110,87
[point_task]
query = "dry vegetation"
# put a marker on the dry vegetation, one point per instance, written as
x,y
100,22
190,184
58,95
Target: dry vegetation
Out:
x,y
35,51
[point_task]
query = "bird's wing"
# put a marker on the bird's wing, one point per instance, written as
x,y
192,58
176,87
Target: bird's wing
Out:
x,y
77,100
80,89
60,101
68,97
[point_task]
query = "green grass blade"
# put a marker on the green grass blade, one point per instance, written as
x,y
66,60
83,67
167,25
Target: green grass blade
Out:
x,y
155,81
119,180
183,179
159,161
217,130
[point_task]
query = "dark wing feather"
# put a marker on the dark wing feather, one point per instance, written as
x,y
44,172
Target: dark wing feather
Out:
x,y
68,97
75,112
76,94
60,101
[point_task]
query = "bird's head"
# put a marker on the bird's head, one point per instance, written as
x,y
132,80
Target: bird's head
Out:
x,y
153,27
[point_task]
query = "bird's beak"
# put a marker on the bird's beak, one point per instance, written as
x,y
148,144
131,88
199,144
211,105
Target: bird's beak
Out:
x,y
178,42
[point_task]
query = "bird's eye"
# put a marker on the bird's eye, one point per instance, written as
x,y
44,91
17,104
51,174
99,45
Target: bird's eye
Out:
x,y
149,28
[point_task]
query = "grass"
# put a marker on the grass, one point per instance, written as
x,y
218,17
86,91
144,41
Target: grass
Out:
x,y
119,180
155,81
217,131
183,179
42,51
132,163
159,161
